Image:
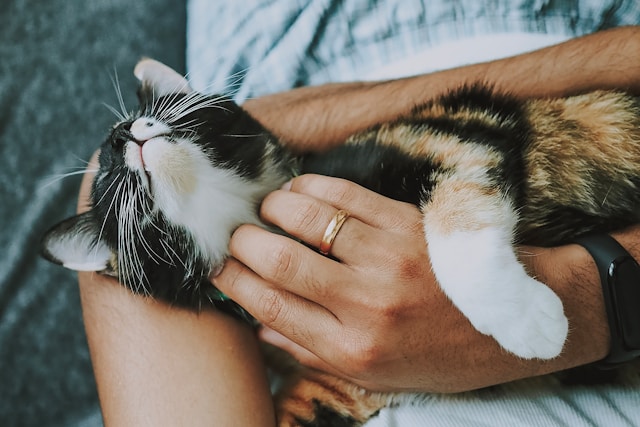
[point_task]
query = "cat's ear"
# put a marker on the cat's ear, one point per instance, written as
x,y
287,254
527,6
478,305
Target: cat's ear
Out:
x,y
75,244
160,79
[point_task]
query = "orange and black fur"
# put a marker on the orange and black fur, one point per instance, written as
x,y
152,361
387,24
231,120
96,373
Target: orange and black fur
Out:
x,y
487,170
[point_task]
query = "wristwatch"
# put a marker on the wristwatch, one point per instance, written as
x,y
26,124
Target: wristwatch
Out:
x,y
620,277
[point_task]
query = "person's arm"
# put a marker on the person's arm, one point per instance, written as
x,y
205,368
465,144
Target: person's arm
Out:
x,y
378,317
161,366
344,317
314,117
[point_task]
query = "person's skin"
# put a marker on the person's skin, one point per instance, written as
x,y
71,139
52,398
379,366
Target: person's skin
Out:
x,y
381,321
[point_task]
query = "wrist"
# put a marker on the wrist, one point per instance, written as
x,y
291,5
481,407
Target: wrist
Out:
x,y
571,272
619,274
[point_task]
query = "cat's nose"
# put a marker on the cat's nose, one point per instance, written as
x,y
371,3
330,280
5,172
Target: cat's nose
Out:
x,y
146,128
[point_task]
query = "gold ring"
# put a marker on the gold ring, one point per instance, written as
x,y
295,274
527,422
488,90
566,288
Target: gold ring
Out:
x,y
332,231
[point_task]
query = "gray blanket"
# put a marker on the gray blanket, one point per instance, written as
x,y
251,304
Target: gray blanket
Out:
x,y
56,60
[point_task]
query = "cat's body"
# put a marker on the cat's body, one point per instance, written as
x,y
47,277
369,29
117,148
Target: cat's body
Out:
x,y
487,171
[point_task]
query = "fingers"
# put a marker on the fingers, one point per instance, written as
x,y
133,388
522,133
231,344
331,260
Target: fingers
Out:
x,y
289,265
276,307
361,247
367,206
307,218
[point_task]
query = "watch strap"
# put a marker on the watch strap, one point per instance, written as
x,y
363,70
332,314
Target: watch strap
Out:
x,y
620,279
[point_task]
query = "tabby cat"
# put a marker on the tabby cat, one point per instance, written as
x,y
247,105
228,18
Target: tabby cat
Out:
x,y
487,170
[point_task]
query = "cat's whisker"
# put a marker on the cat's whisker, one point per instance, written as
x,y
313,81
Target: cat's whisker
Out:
x,y
183,86
106,218
249,135
191,125
228,84
85,162
159,105
158,258
131,261
116,85
526,253
116,180
53,179
191,101
604,200
153,255
173,255
133,267
235,83
133,220
160,110
196,108
115,112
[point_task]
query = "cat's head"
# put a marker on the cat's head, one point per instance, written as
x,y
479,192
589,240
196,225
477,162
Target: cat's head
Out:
x,y
175,178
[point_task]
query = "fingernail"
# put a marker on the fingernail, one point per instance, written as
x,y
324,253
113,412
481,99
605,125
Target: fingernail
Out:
x,y
267,334
286,186
215,271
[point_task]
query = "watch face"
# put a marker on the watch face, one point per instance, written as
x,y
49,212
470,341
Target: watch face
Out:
x,y
624,282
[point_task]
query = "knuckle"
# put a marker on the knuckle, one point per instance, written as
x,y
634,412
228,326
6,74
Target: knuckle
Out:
x,y
280,264
361,356
270,308
388,312
339,192
409,266
305,215
387,308
320,290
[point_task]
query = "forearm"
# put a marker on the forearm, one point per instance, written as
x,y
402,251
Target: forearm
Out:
x,y
161,366
317,117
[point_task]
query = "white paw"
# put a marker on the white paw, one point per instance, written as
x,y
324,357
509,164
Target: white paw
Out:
x,y
494,291
531,324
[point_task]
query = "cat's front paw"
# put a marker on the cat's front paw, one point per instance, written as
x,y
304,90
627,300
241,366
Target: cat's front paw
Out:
x,y
534,325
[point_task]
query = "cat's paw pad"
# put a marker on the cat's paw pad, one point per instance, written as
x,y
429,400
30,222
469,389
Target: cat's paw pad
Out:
x,y
535,325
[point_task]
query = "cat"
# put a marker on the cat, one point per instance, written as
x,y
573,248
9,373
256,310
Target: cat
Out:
x,y
487,170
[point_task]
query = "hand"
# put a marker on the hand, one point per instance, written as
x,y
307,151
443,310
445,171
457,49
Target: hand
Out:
x,y
366,316
375,315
